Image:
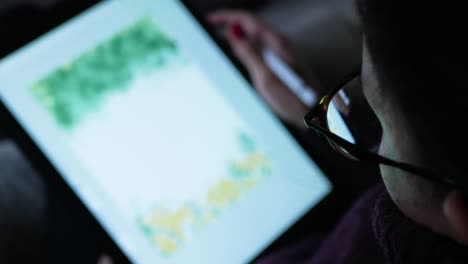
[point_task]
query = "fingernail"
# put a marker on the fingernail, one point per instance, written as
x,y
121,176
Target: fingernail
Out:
x,y
236,32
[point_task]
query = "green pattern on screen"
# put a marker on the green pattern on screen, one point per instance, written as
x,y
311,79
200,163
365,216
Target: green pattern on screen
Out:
x,y
80,87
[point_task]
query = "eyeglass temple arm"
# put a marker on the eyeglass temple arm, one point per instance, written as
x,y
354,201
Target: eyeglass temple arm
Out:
x,y
365,155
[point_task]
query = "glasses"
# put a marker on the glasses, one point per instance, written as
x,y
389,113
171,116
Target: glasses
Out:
x,y
318,119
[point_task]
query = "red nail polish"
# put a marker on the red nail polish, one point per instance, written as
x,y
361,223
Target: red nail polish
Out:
x,y
236,32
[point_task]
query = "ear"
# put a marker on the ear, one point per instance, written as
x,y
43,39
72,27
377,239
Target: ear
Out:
x,y
456,213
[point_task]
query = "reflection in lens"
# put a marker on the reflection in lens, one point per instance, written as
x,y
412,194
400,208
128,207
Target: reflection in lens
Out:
x,y
339,106
337,124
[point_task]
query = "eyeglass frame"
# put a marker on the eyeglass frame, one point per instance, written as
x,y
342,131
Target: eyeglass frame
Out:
x,y
317,119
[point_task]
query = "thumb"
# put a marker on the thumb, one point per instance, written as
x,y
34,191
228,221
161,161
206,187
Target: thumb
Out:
x,y
248,54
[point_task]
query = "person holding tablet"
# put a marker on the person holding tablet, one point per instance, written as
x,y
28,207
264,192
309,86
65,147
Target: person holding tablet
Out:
x,y
412,77
114,73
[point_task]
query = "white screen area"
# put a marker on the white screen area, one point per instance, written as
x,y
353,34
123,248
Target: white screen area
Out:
x,y
159,135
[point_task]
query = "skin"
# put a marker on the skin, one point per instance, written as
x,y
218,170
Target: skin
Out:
x,y
442,211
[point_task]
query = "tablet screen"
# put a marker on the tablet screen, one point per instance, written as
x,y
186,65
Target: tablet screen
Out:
x,y
159,135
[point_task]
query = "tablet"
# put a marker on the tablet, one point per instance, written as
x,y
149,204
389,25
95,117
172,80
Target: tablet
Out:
x,y
159,135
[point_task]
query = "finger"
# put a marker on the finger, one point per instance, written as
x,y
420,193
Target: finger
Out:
x,y
264,80
260,73
230,16
251,25
279,45
258,31
248,55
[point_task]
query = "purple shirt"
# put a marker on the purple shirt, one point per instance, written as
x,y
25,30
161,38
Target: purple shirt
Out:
x,y
374,231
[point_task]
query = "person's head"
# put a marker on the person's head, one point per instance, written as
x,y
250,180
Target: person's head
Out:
x,y
413,78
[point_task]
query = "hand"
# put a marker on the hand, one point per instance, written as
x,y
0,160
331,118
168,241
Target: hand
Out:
x,y
248,37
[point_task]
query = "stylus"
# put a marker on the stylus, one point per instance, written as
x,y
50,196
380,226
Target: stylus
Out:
x,y
295,83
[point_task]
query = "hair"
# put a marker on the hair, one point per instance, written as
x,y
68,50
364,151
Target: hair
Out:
x,y
417,48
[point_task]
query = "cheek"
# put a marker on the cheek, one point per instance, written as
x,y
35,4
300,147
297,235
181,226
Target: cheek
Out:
x,y
368,90
373,95
383,147
370,87
370,84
